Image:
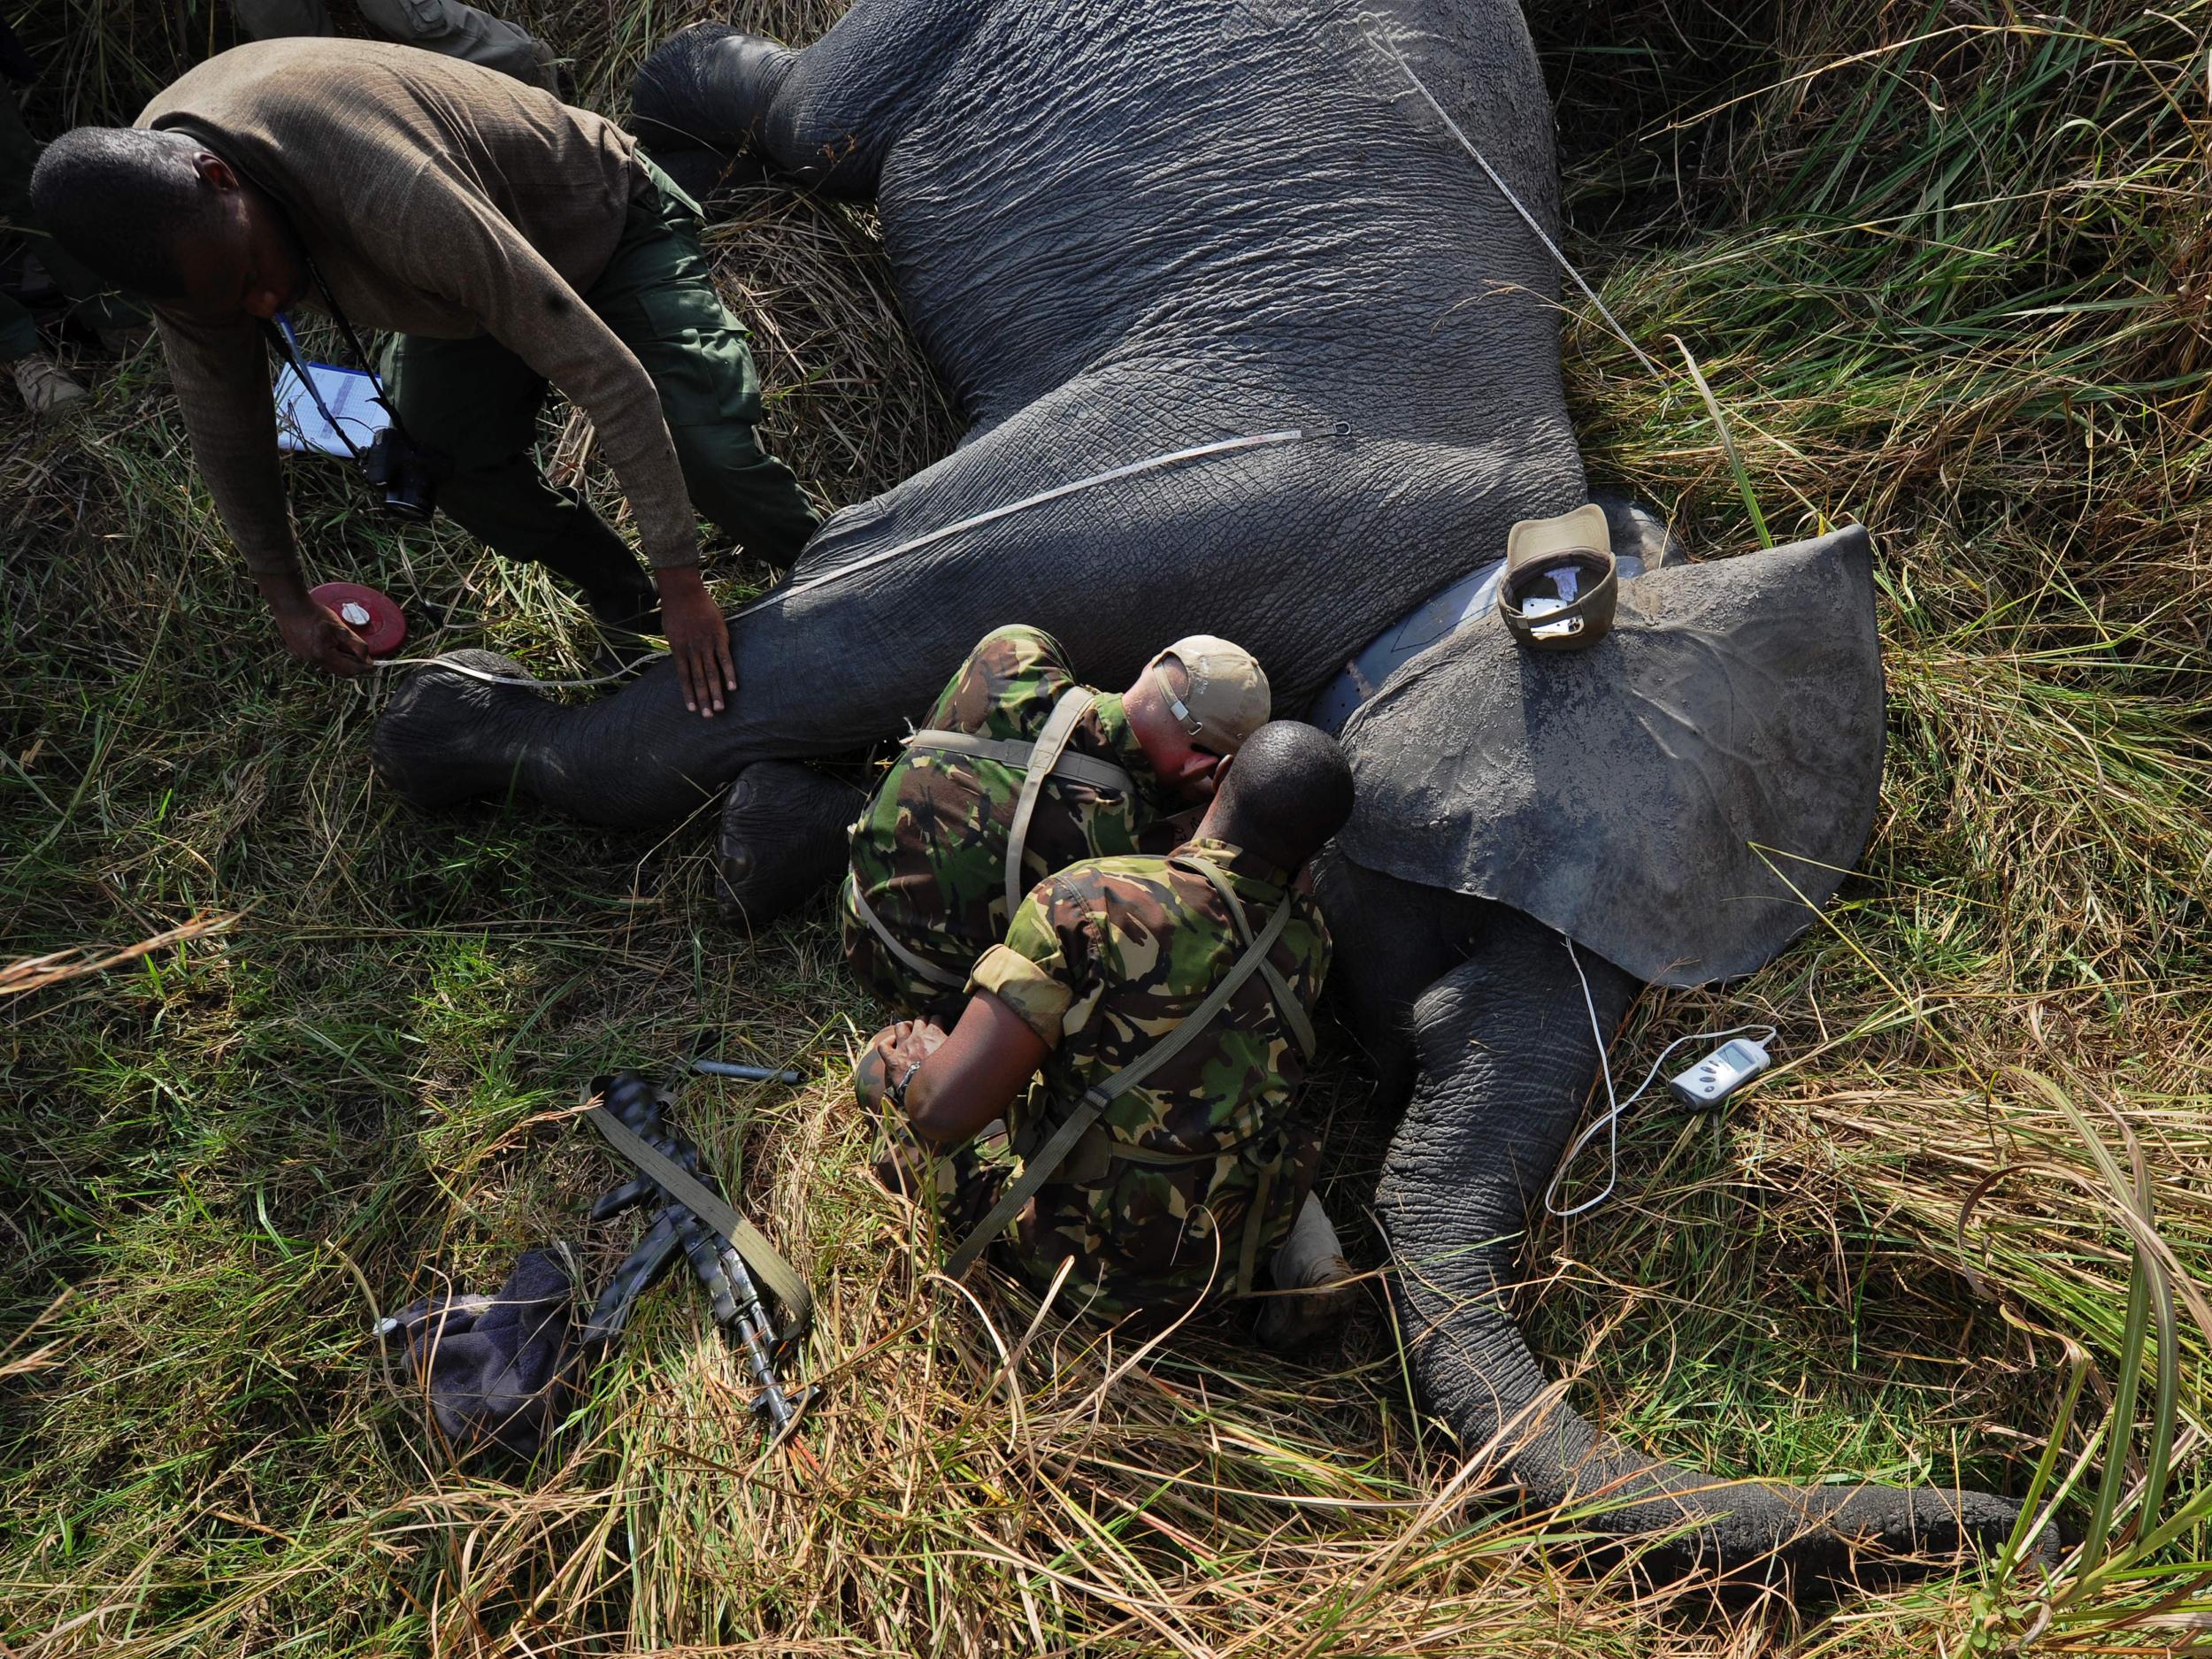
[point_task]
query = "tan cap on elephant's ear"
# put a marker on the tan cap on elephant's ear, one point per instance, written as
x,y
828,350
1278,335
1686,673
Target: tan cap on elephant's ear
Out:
x,y
1228,698
1560,581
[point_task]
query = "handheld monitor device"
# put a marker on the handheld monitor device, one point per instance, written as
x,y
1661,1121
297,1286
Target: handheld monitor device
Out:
x,y
1705,1084
1720,1073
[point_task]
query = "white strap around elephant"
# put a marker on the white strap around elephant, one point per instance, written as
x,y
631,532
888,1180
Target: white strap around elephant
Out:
x,y
1044,756
792,590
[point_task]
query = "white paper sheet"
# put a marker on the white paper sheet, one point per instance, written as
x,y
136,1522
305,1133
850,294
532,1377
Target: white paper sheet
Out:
x,y
351,395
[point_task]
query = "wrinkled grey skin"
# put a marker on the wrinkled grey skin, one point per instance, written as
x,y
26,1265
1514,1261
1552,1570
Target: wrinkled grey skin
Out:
x,y
1119,232
1125,231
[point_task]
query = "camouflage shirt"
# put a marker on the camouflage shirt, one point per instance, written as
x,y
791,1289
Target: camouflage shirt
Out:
x,y
929,855
1101,961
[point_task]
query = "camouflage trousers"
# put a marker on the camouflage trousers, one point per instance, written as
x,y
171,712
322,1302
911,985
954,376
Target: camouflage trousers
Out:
x,y
1142,1235
897,985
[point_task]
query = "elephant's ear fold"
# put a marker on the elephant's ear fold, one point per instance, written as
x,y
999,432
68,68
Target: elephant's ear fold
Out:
x,y
1681,798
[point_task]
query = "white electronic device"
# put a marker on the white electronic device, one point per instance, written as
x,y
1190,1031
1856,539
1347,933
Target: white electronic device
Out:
x,y
1720,1073
1543,606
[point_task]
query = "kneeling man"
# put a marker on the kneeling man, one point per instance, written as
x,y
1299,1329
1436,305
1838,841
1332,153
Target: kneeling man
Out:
x,y
509,241
1020,772
1141,1035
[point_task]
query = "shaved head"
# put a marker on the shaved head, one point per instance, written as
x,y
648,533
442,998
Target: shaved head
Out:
x,y
1289,789
123,202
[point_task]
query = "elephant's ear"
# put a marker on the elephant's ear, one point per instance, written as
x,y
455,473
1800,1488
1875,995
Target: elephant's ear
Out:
x,y
1681,798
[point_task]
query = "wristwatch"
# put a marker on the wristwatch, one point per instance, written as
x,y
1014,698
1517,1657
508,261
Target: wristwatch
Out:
x,y
896,1093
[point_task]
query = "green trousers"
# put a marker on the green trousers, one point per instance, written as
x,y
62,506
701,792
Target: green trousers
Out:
x,y
478,404
95,304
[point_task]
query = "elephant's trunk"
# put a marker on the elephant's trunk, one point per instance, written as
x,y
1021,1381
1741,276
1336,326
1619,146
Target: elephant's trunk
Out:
x,y
1508,1057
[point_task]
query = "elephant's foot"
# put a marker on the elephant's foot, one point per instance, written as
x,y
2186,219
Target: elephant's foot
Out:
x,y
708,86
785,831
446,736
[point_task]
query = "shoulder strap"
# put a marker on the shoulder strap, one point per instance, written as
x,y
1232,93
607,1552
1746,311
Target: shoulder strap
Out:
x,y
1074,702
779,1275
1286,1003
1039,1168
1015,752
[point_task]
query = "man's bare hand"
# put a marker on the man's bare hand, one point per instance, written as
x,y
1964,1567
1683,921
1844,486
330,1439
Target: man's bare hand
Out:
x,y
316,634
891,1053
698,639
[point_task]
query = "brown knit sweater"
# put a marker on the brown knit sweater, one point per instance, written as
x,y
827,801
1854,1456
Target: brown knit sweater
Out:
x,y
436,198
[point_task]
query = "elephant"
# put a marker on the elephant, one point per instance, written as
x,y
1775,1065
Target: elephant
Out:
x,y
1247,305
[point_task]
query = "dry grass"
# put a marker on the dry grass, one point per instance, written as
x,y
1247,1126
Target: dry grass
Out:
x,y
1945,267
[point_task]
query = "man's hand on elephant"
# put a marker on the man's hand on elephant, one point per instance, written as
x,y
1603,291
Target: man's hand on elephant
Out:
x,y
315,633
698,639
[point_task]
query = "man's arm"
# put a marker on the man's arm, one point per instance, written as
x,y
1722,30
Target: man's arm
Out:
x,y
451,241
1018,996
221,376
971,1076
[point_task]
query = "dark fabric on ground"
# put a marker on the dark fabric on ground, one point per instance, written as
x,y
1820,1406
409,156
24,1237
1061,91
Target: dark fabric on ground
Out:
x,y
1658,796
496,1368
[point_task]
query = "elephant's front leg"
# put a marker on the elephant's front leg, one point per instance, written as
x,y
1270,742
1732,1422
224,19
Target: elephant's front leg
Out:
x,y
471,725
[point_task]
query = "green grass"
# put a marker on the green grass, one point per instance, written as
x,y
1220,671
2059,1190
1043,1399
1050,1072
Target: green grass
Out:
x,y
1943,269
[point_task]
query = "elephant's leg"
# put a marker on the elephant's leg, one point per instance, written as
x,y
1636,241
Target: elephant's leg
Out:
x,y
825,115
1395,939
1507,1058
821,670
1300,549
785,829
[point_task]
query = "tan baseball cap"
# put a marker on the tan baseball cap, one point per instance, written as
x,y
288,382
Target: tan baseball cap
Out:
x,y
1561,582
1228,699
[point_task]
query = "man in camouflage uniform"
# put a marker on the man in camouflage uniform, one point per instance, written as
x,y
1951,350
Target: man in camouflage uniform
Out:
x,y
1190,1181
927,893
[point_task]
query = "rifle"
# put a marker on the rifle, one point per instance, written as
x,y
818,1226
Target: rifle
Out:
x,y
629,1108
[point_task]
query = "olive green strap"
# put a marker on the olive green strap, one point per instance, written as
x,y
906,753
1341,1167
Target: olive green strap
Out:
x,y
1037,1170
1015,752
1255,1225
926,970
693,1194
1059,727
1293,1010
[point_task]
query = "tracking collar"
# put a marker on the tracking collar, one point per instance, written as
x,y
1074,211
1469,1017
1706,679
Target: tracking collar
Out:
x,y
1560,584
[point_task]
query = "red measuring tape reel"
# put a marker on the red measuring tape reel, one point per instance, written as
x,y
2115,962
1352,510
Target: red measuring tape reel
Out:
x,y
367,612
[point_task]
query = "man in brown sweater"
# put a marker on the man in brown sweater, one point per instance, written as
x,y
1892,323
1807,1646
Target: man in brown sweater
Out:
x,y
507,240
